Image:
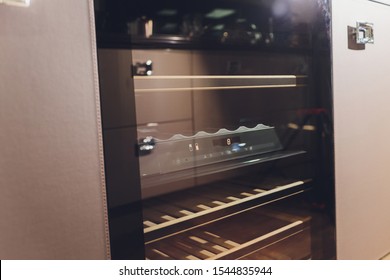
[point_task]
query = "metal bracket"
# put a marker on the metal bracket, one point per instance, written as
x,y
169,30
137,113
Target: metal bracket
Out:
x,y
143,68
364,33
360,35
146,145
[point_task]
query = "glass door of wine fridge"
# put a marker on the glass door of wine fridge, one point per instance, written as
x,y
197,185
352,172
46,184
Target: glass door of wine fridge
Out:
x,y
217,123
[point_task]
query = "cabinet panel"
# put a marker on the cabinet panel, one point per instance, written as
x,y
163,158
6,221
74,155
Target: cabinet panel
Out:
x,y
362,157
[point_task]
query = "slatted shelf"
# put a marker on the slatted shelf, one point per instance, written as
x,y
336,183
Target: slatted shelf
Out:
x,y
222,197
225,239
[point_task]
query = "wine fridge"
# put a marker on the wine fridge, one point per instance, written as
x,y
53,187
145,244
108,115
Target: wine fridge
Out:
x,y
218,133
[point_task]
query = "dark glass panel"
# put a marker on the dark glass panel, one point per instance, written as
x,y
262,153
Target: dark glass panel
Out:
x,y
230,102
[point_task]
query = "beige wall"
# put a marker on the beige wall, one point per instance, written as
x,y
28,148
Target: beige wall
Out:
x,y
52,199
362,132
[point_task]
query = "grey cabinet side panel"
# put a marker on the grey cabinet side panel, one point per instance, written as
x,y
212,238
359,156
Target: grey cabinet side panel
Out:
x,y
52,190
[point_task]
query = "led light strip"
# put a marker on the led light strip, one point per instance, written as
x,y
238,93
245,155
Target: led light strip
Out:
x,y
219,77
215,88
181,83
19,3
